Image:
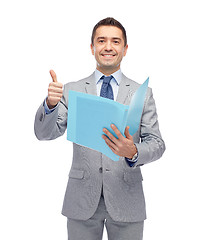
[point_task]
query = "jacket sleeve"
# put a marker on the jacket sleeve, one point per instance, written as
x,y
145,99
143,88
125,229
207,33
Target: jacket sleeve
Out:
x,y
148,139
52,125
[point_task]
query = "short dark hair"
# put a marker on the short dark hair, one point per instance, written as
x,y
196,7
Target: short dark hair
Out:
x,y
109,22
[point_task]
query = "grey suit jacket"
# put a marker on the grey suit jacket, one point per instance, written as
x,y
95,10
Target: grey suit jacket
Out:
x,y
90,169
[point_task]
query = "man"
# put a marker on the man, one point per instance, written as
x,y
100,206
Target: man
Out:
x,y
100,191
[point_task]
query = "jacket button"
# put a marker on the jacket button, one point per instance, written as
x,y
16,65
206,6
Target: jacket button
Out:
x,y
100,169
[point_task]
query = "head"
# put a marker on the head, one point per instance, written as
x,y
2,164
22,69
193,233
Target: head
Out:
x,y
108,45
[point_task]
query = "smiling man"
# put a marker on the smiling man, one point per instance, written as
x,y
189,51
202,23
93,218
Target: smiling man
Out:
x,y
100,191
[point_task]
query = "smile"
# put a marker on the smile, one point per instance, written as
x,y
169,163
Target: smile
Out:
x,y
108,55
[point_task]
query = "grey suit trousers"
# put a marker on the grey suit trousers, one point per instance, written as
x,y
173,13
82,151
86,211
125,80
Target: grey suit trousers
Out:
x,y
92,229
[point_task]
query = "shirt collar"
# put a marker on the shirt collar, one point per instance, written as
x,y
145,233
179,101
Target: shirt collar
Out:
x,y
116,75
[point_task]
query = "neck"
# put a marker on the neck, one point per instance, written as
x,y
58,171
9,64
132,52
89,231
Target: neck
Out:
x,y
108,72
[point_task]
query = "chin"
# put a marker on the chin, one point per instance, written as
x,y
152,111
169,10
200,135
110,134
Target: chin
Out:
x,y
108,66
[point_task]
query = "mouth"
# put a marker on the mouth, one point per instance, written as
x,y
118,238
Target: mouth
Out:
x,y
108,56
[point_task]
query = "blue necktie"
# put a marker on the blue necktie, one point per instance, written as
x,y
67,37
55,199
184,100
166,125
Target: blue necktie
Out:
x,y
106,89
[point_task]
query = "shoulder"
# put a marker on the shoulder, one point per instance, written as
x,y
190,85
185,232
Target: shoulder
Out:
x,y
135,85
80,84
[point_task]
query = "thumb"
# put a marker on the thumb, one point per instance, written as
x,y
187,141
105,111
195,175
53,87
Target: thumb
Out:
x,y
53,75
127,134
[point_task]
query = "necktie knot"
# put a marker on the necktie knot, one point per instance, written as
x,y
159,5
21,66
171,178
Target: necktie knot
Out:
x,y
106,79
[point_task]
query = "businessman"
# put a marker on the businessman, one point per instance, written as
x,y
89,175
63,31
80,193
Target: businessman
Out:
x,y
101,192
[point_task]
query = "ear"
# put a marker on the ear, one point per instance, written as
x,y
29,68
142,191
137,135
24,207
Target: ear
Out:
x,y
92,49
125,49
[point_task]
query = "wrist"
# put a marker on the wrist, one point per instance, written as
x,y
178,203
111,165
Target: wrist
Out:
x,y
133,154
49,105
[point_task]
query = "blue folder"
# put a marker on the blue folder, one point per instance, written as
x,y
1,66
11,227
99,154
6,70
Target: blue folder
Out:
x,y
89,114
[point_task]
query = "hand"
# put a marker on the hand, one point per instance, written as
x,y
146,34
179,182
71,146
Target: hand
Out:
x,y
55,91
123,146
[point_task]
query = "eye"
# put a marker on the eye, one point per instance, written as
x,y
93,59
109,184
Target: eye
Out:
x,y
116,41
101,41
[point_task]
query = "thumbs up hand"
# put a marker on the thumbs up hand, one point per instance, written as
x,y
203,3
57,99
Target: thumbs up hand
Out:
x,y
55,91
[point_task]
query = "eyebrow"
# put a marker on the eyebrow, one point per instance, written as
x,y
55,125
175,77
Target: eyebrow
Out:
x,y
114,38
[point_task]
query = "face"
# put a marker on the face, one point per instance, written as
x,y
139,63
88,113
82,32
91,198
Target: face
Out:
x,y
108,49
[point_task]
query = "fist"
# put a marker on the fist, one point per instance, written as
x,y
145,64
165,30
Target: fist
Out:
x,y
55,91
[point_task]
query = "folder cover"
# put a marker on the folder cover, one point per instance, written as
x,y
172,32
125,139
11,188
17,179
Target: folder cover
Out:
x,y
89,114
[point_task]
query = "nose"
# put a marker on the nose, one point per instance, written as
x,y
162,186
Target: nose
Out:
x,y
108,46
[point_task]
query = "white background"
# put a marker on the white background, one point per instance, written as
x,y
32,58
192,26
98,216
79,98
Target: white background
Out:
x,y
167,42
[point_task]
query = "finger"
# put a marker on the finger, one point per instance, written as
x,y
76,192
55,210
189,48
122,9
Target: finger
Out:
x,y
110,135
54,98
53,75
56,87
110,143
54,94
117,132
127,134
112,149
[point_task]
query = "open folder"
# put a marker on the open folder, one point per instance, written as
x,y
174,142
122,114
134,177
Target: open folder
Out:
x,y
89,114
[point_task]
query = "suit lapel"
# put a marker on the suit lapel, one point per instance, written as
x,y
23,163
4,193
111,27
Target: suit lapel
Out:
x,y
90,86
124,91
